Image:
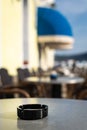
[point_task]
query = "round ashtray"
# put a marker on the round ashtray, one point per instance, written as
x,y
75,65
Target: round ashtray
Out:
x,y
32,111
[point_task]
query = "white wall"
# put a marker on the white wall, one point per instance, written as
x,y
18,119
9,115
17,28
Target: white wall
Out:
x,y
0,36
33,48
11,22
12,35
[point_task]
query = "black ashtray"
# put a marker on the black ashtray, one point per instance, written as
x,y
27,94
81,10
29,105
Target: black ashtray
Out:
x,y
32,111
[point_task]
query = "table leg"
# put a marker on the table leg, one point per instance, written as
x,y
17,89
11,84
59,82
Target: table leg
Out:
x,y
64,91
56,91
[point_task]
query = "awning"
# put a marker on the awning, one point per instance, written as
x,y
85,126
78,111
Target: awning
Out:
x,y
53,29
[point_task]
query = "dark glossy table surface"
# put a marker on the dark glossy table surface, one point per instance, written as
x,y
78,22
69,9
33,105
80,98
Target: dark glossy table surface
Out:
x,y
64,114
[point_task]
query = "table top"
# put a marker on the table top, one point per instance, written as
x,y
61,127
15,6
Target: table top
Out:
x,y
59,80
63,114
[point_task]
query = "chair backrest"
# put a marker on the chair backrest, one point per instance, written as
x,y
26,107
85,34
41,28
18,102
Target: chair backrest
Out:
x,y
22,73
6,79
26,72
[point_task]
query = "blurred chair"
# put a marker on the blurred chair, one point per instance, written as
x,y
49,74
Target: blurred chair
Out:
x,y
20,74
26,72
33,89
23,73
81,93
6,79
4,92
7,85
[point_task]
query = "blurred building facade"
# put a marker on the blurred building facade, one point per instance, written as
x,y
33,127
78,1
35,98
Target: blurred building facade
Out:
x,y
19,40
11,34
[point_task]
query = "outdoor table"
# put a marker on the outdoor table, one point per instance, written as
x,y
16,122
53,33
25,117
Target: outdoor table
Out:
x,y
63,114
63,80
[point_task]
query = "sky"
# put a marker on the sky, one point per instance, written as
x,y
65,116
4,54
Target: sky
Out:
x,y
76,13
